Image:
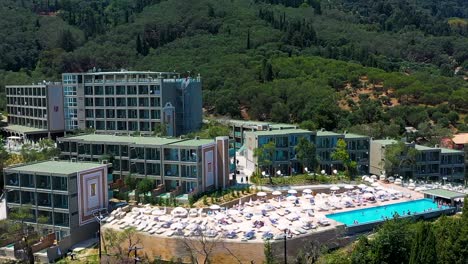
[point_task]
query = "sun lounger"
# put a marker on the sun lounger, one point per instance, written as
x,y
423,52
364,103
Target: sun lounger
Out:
x,y
323,222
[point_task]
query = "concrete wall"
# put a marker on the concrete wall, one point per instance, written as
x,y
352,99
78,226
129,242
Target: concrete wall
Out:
x,y
376,154
56,118
229,251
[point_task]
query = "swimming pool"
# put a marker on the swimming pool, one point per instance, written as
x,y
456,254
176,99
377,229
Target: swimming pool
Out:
x,y
379,213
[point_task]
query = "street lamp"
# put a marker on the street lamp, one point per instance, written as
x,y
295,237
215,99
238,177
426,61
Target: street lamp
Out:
x,y
285,248
135,248
100,216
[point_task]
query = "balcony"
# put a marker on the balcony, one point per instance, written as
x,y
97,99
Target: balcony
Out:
x,y
12,179
44,199
43,182
171,154
60,201
60,183
171,170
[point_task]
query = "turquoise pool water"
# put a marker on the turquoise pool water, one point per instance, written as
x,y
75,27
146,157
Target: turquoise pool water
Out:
x,y
379,213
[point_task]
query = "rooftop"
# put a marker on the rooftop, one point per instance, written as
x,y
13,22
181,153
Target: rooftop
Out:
x,y
193,142
385,141
421,147
151,141
351,135
57,167
461,138
447,150
324,133
444,193
24,129
154,141
121,72
279,132
237,122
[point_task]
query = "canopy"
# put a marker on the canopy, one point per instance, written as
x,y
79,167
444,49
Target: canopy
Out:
x,y
261,194
215,207
276,193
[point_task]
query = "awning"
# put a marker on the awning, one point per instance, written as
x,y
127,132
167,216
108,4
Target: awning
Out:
x,y
23,130
444,193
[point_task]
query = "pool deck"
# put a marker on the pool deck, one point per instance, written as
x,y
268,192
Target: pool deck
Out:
x,y
173,238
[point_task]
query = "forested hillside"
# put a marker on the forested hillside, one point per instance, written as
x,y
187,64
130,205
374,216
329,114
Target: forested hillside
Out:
x,y
372,67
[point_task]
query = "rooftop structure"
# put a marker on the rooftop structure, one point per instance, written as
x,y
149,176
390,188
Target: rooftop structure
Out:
x,y
63,193
34,109
179,167
129,101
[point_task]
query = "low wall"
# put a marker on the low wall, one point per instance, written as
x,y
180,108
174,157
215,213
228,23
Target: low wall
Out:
x,y
355,229
228,251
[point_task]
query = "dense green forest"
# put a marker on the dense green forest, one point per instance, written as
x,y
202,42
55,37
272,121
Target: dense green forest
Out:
x,y
371,67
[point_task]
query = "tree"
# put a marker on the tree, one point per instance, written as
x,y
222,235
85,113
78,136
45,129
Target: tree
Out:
x,y
200,248
268,251
131,182
66,41
341,154
306,154
265,155
139,45
248,38
22,214
399,157
144,186
423,250
160,130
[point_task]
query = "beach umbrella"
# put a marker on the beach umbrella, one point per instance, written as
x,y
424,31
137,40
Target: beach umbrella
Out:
x,y
362,186
368,195
308,196
261,194
265,229
233,212
282,227
292,191
349,187
335,172
291,198
256,217
215,207
374,177
391,179
307,206
420,189
347,199
307,191
379,188
276,193
220,216
369,189
398,182
381,192
334,188
323,172
375,184
382,177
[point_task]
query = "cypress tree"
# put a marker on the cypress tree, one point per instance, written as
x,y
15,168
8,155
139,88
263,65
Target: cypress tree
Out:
x,y
248,38
139,47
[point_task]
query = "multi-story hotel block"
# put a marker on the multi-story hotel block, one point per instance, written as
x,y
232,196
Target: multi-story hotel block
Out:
x,y
178,166
34,110
63,196
130,101
325,144
238,127
429,164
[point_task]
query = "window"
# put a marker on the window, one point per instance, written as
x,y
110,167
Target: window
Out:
x,y
70,102
68,79
71,113
69,90
93,189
